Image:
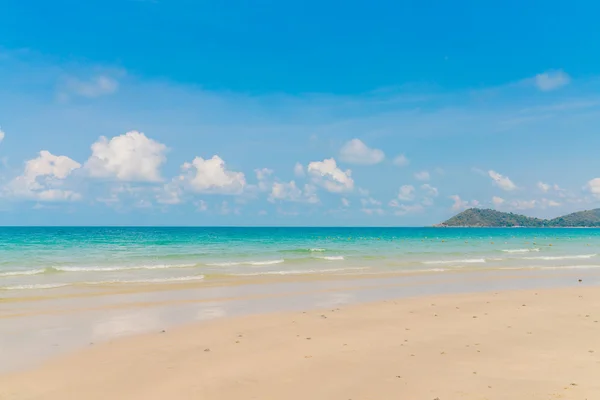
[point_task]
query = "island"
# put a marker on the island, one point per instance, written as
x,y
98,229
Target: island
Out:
x,y
480,217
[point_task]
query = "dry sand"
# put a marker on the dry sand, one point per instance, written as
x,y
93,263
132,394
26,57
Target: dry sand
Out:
x,y
542,344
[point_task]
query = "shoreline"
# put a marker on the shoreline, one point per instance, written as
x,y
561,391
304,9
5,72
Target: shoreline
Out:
x,y
35,330
495,344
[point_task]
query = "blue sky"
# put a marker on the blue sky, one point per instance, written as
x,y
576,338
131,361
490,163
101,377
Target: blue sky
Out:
x,y
275,113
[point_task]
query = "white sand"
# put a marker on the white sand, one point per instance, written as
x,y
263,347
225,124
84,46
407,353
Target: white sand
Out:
x,y
530,345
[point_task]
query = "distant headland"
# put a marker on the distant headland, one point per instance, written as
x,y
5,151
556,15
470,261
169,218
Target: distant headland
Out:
x,y
478,217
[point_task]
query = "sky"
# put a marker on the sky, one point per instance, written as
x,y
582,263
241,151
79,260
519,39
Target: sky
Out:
x,y
355,113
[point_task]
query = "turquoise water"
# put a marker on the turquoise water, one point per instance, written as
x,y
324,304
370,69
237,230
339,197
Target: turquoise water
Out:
x,y
47,258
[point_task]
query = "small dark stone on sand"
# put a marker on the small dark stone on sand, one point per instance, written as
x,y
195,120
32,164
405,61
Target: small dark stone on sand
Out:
x,y
207,350
323,316
580,280
307,338
163,331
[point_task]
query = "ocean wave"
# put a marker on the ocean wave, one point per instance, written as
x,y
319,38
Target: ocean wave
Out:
x,y
332,258
110,282
468,261
25,272
59,269
120,268
574,257
33,287
311,250
255,263
521,250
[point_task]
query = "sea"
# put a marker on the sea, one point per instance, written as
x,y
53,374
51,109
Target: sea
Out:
x,y
47,258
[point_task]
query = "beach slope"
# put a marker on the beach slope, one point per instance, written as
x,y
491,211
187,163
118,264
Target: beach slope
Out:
x,y
542,344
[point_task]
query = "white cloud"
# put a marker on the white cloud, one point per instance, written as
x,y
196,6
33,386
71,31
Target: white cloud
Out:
x,y
369,201
291,192
43,179
2,134
373,211
544,187
593,187
498,201
401,161
503,182
403,209
551,80
430,190
169,194
356,152
138,196
479,171
460,205
299,170
201,205
131,157
345,202
326,174
212,176
422,176
523,204
550,203
96,86
263,176
407,192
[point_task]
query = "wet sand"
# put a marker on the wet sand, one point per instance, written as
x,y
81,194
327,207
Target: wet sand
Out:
x,y
510,344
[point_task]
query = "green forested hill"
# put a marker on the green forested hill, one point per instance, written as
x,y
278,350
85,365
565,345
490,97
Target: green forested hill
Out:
x,y
477,217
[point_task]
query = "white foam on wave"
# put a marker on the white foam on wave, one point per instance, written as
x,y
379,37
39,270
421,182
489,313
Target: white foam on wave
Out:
x,y
37,286
467,261
300,271
109,282
317,250
255,263
332,258
521,250
121,268
27,272
574,257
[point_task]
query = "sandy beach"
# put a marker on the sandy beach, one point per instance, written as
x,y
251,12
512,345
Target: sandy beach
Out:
x,y
526,344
